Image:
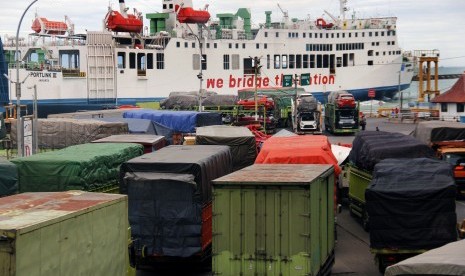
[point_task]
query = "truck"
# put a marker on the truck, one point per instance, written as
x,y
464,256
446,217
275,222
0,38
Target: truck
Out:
x,y
274,219
306,114
411,205
170,203
369,148
282,97
341,113
447,139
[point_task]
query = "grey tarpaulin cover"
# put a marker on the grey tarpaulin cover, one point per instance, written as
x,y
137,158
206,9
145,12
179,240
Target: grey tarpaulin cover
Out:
x,y
411,204
436,131
306,103
370,147
8,178
177,206
446,260
239,139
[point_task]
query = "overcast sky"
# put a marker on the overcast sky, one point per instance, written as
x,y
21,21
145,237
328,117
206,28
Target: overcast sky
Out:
x,y
421,25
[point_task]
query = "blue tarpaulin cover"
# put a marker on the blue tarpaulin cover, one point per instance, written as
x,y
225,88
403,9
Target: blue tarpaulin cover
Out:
x,y
178,121
144,126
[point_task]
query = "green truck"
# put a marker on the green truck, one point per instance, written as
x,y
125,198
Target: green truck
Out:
x,y
274,219
341,113
369,148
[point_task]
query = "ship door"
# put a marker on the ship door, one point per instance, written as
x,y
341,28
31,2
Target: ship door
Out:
x,y
332,64
101,81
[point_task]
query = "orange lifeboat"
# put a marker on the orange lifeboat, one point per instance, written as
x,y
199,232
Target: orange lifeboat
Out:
x,y
189,15
321,23
50,27
118,23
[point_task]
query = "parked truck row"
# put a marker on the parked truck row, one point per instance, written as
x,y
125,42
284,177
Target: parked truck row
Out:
x,y
341,113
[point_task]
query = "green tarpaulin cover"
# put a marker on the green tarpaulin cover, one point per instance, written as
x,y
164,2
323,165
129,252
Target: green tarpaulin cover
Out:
x,y
8,178
85,167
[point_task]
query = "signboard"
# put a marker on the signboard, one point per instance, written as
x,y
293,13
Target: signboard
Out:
x,y
371,93
287,80
305,79
27,128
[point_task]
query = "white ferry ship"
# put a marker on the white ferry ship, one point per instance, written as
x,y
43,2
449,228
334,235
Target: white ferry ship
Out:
x,y
185,49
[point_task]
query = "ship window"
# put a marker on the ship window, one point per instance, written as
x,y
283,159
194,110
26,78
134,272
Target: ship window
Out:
x,y
304,35
319,61
384,53
305,61
352,59
235,62
389,43
266,34
339,61
69,59
356,34
390,53
237,45
343,35
377,53
325,61
337,35
460,107
121,60
377,43
132,60
350,34
312,61
345,60
393,43
321,35
370,53
150,61
164,6
171,6
370,33
291,61
268,61
178,44
376,33
443,107
226,62
248,66
297,35
310,35
289,35
243,45
257,45
370,62
382,33
277,62
298,61
327,35
332,35
284,61
373,43
141,63
208,45
265,46
363,34
193,44
388,33
230,45
160,61
186,44
277,34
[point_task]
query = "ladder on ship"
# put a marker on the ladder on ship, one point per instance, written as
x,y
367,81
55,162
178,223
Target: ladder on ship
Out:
x,y
101,82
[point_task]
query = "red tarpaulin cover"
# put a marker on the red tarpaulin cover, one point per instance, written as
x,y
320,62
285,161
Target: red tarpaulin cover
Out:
x,y
298,150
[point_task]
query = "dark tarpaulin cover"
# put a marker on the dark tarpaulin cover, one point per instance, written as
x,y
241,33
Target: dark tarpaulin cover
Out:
x,y
134,125
206,163
240,140
177,185
8,178
178,121
82,167
370,147
437,131
411,204
180,102
165,213
306,103
164,131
